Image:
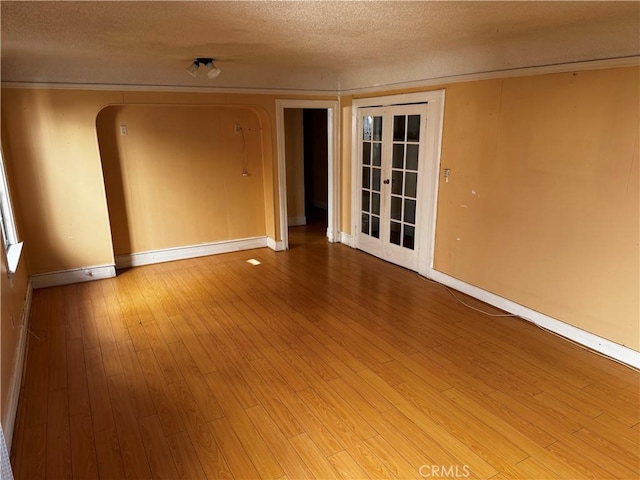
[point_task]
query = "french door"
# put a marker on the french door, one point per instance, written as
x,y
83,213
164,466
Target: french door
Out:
x,y
391,155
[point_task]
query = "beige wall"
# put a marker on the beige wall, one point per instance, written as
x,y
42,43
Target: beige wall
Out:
x,y
12,302
346,103
13,293
53,147
542,205
547,167
294,154
176,178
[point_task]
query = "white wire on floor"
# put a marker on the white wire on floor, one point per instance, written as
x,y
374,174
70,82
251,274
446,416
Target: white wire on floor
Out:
x,y
533,323
466,304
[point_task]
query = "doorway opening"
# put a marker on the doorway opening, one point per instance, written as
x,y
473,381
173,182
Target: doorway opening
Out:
x,y
308,174
306,162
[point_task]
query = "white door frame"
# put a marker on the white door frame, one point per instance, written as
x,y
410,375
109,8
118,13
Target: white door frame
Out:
x,y
428,182
333,180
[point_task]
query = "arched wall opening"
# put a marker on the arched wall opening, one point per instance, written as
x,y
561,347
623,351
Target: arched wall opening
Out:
x,y
182,178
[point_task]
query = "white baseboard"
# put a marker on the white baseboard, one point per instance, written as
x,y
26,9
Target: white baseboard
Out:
x,y
277,246
611,349
297,221
191,251
76,275
17,373
347,239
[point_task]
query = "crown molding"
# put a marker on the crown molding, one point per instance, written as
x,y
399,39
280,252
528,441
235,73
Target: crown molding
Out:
x,y
619,62
599,64
165,88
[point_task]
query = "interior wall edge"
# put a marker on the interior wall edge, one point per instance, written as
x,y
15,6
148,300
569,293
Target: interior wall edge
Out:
x,y
347,239
606,347
275,245
15,385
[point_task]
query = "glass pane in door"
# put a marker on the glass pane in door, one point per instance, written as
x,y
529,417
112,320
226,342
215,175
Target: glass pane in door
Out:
x,y
366,153
413,128
371,175
398,128
404,180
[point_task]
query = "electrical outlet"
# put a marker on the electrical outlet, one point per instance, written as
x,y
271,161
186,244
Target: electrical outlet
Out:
x,y
238,128
123,130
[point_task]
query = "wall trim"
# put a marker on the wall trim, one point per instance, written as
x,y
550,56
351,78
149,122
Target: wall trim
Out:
x,y
275,245
192,251
595,64
297,221
75,275
19,366
347,239
619,62
594,342
114,87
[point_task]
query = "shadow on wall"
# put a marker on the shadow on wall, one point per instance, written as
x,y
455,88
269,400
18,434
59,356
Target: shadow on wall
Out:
x,y
30,155
174,175
114,182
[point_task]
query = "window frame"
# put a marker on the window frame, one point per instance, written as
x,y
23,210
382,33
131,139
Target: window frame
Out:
x,y
12,245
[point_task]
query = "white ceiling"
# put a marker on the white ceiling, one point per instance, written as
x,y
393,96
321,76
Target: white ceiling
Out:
x,y
304,45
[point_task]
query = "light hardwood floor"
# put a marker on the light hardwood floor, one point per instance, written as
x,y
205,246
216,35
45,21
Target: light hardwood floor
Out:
x,y
322,362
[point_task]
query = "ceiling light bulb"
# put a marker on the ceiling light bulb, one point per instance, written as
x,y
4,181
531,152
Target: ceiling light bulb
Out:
x,y
213,71
193,69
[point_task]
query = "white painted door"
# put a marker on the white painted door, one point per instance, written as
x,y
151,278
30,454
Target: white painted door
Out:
x,y
391,155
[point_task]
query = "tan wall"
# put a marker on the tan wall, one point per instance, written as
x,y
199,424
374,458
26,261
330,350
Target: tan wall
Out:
x,y
13,292
542,205
346,103
53,152
176,178
294,155
53,147
12,303
553,222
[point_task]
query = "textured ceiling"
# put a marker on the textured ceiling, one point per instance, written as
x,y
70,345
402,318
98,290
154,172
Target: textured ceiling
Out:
x,y
303,45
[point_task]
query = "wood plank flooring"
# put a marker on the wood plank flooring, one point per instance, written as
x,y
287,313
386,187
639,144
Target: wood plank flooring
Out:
x,y
322,362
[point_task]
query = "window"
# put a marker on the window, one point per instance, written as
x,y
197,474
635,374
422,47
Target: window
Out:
x,y
9,233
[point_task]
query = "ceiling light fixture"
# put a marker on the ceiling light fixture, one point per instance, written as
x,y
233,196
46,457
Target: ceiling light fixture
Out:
x,y
212,70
